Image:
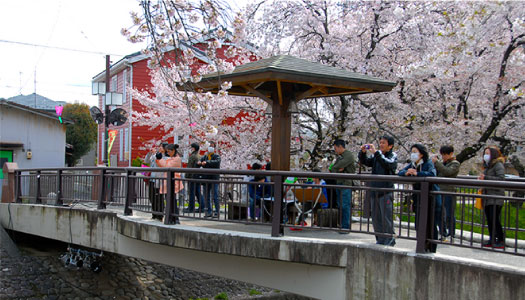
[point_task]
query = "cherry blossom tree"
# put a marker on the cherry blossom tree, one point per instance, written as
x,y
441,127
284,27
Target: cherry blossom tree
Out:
x,y
187,40
458,66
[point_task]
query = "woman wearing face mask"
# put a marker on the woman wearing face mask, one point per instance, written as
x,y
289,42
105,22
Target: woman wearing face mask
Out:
x,y
172,161
420,165
493,169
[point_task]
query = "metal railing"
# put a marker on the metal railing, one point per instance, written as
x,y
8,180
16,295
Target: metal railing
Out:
x,y
291,199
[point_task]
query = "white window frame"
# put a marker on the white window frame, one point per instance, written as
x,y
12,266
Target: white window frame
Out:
x,y
121,145
126,142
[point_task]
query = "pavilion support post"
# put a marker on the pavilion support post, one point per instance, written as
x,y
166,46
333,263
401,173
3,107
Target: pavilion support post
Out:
x,y
281,135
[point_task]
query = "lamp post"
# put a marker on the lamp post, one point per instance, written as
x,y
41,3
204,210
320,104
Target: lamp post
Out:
x,y
106,114
109,98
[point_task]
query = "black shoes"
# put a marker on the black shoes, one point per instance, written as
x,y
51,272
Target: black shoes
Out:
x,y
497,245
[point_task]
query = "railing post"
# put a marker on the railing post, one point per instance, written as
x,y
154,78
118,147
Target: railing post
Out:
x,y
130,193
18,184
59,201
423,217
112,187
102,190
37,195
277,227
169,208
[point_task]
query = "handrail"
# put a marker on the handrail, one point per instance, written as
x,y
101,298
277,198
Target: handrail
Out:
x,y
127,187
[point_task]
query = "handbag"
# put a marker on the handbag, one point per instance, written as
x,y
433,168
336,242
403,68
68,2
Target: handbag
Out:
x,y
479,202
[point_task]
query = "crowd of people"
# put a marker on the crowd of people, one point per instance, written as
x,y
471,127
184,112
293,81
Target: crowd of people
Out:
x,y
382,161
168,156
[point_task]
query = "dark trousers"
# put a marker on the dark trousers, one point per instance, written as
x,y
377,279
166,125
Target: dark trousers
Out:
x,y
493,214
382,212
195,192
212,190
450,205
156,200
432,231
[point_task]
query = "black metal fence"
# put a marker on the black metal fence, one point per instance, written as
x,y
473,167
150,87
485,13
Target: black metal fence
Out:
x,y
413,208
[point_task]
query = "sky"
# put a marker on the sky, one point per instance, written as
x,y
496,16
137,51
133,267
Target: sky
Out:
x,y
55,47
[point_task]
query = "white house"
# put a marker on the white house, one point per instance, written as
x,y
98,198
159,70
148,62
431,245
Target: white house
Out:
x,y
31,137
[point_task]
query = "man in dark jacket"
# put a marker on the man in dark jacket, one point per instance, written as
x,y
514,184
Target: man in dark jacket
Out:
x,y
449,167
211,160
344,163
383,162
195,187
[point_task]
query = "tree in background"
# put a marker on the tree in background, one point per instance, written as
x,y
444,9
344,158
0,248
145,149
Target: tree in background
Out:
x,y
181,35
80,135
458,66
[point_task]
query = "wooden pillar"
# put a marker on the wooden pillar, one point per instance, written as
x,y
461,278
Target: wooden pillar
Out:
x,y
281,128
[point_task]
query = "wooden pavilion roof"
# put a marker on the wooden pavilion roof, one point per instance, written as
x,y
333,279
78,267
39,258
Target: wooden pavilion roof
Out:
x,y
306,79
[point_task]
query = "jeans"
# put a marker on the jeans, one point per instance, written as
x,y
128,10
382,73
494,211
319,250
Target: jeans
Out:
x,y
382,207
344,200
450,218
438,215
195,191
209,187
252,208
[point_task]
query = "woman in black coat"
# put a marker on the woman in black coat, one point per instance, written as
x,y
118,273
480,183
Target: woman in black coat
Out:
x,y
493,169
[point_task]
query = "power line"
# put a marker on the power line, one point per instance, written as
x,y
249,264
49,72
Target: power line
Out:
x,y
59,48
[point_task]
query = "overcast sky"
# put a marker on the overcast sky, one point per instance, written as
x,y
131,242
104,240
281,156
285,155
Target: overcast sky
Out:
x,y
66,28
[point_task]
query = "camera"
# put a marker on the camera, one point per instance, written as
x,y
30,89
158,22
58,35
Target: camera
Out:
x,y
367,147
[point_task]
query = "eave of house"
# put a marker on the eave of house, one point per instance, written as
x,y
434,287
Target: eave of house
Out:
x,y
34,111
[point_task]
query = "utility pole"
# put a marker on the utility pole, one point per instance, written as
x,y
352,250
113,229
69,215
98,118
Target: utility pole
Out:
x,y
106,113
34,81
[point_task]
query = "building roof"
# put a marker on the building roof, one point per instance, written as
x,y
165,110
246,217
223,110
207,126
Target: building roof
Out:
x,y
38,112
138,56
36,101
309,79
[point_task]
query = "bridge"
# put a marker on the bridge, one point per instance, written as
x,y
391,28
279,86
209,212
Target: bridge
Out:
x,y
107,209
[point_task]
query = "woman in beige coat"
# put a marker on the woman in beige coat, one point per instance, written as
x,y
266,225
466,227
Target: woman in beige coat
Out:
x,y
493,170
173,161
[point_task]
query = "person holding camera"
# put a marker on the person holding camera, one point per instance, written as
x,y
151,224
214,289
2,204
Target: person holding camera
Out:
x,y
382,162
157,204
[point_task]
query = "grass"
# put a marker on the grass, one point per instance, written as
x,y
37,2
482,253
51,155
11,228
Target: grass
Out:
x,y
254,292
221,296
474,216
508,219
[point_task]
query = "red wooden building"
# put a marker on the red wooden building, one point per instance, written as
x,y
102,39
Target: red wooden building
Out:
x,y
132,71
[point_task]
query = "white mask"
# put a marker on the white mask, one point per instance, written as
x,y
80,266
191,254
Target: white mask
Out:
x,y
211,149
486,158
414,157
